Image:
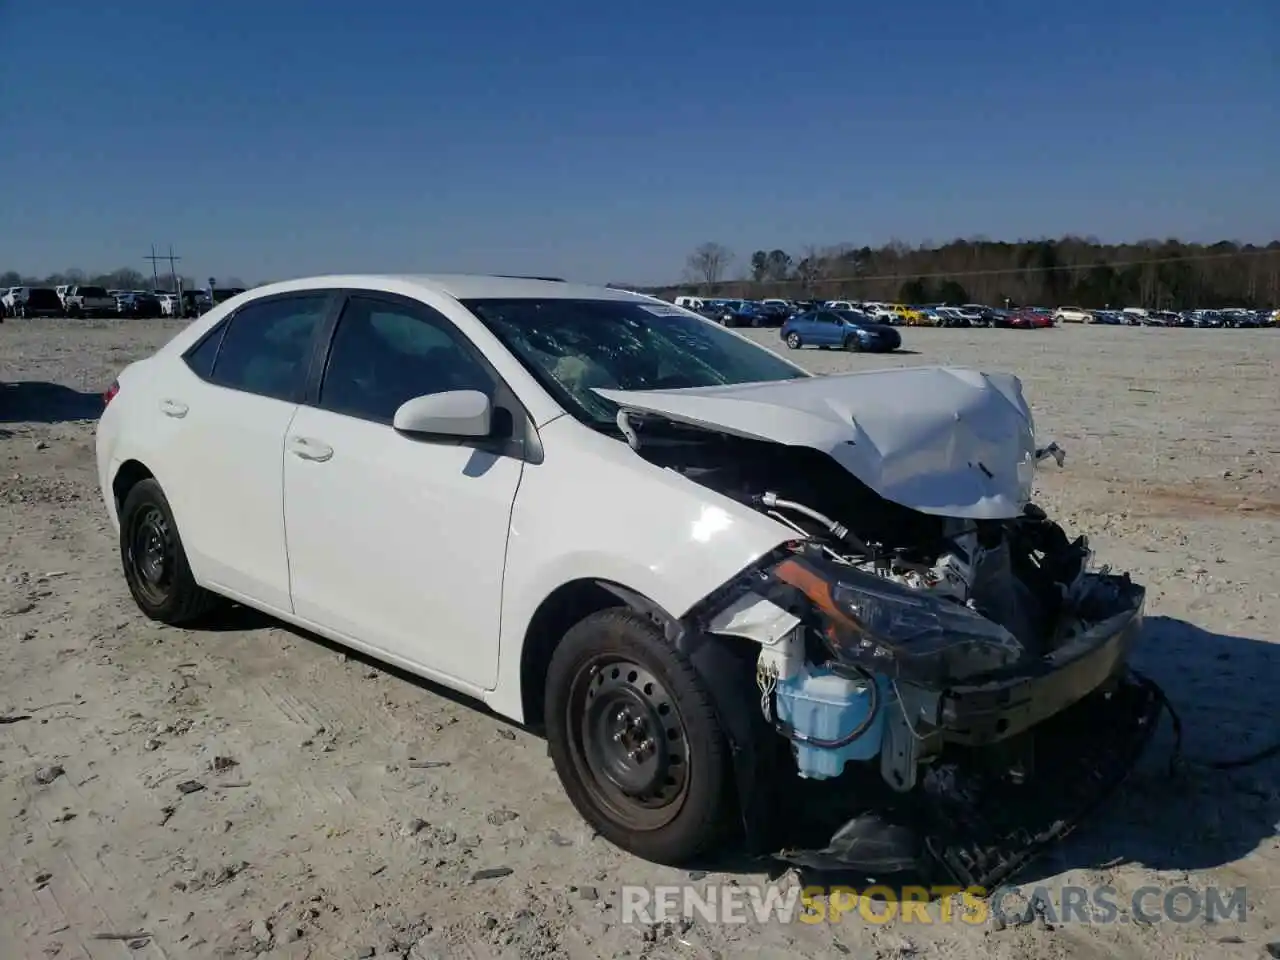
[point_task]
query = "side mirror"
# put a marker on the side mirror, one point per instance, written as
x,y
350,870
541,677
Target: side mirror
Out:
x,y
454,413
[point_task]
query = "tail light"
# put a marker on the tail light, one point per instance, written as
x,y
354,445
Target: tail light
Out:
x,y
111,392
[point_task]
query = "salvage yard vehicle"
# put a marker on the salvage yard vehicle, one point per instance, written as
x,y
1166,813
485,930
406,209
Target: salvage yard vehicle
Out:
x,y
847,329
1072,315
90,301
139,305
1030,319
39,302
711,578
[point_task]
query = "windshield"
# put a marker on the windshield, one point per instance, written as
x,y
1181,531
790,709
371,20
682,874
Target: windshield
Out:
x,y
856,317
574,346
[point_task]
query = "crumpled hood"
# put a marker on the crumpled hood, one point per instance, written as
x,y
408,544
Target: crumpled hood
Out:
x,y
941,440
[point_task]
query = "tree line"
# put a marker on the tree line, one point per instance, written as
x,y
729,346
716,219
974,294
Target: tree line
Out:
x,y
125,278
1156,274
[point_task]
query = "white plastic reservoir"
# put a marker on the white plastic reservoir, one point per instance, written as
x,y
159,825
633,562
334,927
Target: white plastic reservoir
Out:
x,y
819,704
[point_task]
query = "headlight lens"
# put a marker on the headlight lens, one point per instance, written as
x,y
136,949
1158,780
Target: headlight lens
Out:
x,y
890,629
916,636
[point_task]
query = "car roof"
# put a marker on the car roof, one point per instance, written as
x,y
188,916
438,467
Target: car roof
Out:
x,y
459,286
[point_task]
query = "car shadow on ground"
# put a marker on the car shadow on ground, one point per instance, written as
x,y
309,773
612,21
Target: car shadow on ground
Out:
x,y
1182,819
1211,810
34,401
236,618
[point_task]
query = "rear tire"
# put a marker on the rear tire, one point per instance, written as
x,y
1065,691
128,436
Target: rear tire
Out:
x,y
853,344
154,561
635,738
794,341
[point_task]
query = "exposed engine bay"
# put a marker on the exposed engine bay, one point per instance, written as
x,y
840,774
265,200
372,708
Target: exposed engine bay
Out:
x,y
930,653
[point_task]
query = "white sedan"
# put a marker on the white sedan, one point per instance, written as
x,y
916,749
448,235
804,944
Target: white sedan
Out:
x,y
679,554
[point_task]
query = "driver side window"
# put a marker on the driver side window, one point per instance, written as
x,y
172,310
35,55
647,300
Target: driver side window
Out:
x,y
384,354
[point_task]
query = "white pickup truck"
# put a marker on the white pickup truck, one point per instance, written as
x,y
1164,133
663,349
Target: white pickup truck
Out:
x,y
87,301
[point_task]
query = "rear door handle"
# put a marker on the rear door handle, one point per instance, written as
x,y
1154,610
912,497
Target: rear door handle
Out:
x,y
306,448
173,408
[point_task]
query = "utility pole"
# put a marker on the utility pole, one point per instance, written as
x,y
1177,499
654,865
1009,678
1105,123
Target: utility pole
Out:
x,y
173,272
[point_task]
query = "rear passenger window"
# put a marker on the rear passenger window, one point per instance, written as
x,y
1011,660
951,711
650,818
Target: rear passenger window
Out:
x,y
267,346
200,360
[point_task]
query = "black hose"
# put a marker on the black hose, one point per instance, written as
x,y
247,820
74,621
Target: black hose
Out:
x,y
1235,763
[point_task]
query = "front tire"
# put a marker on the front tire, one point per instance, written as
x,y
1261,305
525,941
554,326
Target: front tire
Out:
x,y
155,563
635,739
794,341
853,345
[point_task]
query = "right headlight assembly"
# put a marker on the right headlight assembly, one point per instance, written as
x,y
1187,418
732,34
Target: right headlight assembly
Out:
x,y
890,629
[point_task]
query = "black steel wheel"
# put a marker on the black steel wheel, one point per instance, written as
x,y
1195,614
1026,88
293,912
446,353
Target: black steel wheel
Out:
x,y
154,561
629,739
635,739
853,344
151,554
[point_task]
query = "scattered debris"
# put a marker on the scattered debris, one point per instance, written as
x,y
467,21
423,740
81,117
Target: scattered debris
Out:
x,y
107,935
506,734
15,718
260,930
190,786
492,873
428,764
498,817
46,775
223,764
167,813
151,743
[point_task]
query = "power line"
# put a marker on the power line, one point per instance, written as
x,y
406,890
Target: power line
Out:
x,y
947,274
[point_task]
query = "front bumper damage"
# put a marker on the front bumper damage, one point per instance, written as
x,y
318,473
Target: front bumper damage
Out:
x,y
975,769
976,832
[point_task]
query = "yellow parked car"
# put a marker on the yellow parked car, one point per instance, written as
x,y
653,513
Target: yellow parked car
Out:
x,y
911,318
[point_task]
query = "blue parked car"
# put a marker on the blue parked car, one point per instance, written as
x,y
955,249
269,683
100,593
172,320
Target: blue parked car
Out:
x,y
846,329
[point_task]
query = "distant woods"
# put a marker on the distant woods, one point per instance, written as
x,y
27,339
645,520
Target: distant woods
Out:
x,y
1157,274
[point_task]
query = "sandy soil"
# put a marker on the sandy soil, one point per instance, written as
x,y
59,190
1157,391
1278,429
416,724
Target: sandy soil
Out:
x,y
315,828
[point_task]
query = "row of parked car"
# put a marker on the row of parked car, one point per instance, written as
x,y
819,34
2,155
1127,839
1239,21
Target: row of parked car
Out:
x,y
89,301
1137,317
775,312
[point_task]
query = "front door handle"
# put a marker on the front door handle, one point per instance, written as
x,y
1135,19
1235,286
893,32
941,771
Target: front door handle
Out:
x,y
173,408
306,448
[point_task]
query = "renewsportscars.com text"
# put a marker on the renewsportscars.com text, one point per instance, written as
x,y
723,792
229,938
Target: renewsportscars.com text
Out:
x,y
971,906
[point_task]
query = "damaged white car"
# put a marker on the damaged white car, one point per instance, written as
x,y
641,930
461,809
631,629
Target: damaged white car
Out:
x,y
712,578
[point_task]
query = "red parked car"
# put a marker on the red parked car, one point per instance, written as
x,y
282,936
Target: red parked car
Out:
x,y
1030,319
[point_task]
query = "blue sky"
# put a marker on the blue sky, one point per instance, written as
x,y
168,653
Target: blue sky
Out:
x,y
605,141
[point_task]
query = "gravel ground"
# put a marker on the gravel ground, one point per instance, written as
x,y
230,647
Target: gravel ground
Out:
x,y
314,827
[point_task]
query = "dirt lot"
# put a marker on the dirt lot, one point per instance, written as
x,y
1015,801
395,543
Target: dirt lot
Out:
x,y
319,831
